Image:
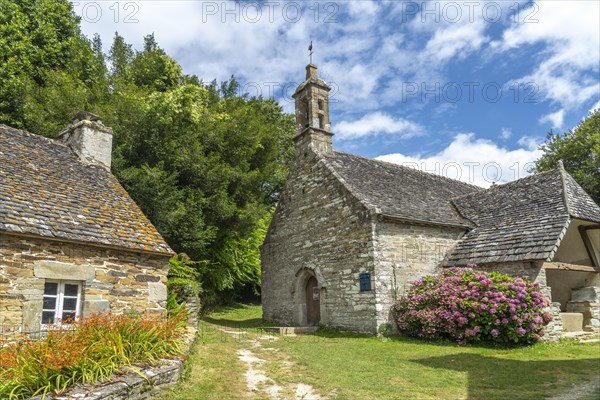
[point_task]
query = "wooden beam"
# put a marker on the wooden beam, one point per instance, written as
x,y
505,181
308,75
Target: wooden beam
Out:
x,y
588,243
568,267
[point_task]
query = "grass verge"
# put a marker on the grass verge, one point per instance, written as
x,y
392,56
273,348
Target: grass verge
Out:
x,y
342,366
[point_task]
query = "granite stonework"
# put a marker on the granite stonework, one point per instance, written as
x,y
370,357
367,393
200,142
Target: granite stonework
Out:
x,y
112,279
307,238
405,253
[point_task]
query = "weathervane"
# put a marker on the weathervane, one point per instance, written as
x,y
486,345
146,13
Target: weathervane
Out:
x,y
310,52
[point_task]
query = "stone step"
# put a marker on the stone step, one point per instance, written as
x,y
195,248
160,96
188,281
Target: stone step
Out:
x,y
572,322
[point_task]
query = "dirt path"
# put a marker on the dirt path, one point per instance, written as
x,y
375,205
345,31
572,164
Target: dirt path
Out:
x,y
259,384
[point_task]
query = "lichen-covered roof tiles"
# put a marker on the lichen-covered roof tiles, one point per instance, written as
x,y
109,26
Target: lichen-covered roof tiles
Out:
x,y
521,220
46,190
400,191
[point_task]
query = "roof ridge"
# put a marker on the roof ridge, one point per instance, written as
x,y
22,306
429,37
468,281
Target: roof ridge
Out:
x,y
10,129
565,196
504,185
403,167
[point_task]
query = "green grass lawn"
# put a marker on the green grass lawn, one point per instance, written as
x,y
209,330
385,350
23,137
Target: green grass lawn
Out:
x,y
342,366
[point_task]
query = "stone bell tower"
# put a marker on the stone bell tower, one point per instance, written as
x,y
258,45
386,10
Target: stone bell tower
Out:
x,y
312,114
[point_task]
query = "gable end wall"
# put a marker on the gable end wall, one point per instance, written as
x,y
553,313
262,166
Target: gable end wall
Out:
x,y
321,227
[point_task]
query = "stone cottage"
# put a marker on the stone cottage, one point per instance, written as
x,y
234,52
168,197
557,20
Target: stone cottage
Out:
x,y
72,241
351,233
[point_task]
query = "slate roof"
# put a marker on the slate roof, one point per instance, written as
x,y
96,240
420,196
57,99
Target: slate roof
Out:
x,y
399,191
46,190
580,203
521,220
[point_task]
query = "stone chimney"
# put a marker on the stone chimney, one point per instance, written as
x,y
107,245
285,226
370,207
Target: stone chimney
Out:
x,y
87,136
312,114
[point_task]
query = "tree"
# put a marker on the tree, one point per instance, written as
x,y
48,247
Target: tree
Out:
x,y
205,164
120,56
579,149
154,69
37,39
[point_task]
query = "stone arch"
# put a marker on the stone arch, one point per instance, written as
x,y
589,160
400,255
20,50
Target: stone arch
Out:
x,y
303,275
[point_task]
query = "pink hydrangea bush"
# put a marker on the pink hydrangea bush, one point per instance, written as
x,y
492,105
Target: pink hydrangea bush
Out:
x,y
470,306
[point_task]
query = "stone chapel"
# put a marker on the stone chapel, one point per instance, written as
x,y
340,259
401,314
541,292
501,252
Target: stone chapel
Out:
x,y
350,233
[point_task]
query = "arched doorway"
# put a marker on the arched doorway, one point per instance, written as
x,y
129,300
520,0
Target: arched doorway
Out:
x,y
313,302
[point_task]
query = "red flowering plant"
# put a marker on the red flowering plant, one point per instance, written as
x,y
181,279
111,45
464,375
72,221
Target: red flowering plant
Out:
x,y
90,350
469,306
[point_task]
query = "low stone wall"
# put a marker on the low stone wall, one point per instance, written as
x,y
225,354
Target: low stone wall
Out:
x,y
130,386
135,385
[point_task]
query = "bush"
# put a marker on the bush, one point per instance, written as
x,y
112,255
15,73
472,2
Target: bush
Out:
x,y
88,351
469,306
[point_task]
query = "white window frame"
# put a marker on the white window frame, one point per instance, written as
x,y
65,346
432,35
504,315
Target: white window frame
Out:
x,y
60,298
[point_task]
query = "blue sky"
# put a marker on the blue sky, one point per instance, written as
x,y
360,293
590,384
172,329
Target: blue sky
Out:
x,y
467,89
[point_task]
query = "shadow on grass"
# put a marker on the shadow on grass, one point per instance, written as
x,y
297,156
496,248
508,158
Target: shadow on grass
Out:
x,y
498,378
240,324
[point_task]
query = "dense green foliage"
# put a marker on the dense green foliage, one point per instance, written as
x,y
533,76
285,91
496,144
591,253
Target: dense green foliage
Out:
x,y
204,162
579,149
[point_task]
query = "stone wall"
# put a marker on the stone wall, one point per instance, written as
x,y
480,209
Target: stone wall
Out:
x,y
129,386
318,229
112,280
404,253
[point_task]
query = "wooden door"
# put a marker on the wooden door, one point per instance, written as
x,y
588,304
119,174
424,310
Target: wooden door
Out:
x,y
313,303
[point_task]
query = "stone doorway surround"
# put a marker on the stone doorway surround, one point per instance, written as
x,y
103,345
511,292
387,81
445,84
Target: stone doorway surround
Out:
x,y
303,276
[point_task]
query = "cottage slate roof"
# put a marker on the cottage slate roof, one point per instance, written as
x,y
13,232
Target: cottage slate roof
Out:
x,y
46,190
399,191
523,220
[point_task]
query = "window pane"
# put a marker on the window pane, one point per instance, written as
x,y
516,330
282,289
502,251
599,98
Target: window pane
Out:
x,y
49,303
71,290
48,317
50,288
68,317
69,304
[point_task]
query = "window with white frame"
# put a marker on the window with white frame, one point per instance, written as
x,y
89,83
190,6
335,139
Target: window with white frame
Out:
x,y
62,301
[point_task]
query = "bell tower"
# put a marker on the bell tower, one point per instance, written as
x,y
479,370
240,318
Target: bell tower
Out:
x,y
313,126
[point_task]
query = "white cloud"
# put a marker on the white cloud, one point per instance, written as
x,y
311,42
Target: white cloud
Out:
x,y
505,133
555,119
472,160
568,69
454,41
376,123
529,142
